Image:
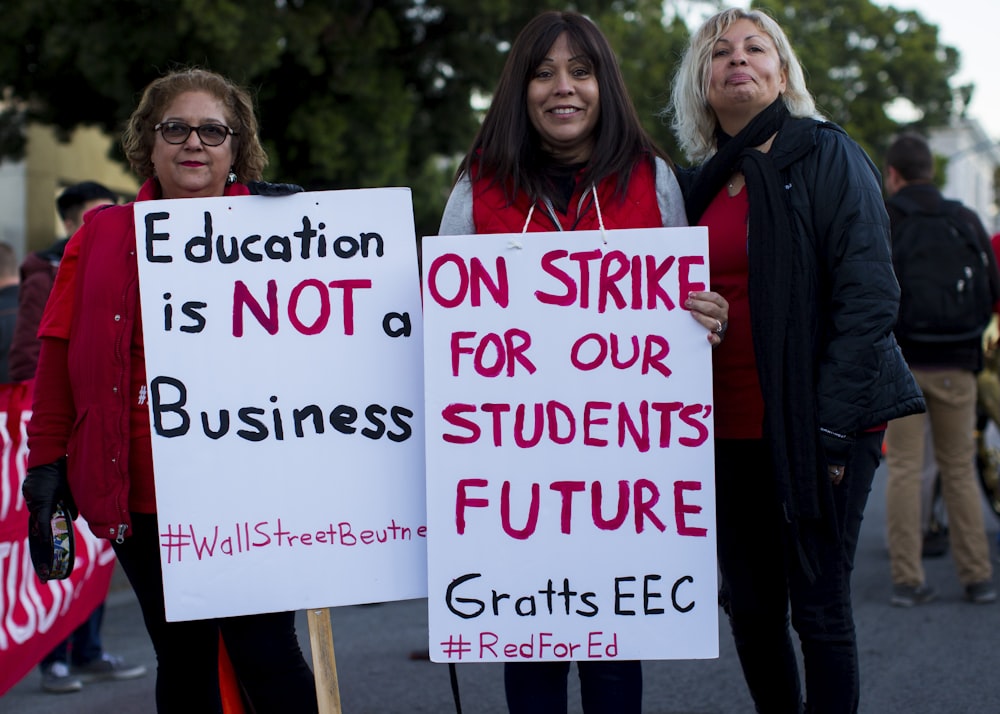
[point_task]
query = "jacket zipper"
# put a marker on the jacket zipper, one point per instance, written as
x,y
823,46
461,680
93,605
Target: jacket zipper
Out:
x,y
124,405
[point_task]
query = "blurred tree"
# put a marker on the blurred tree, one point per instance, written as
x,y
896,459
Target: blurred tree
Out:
x,y
649,38
351,93
357,93
862,61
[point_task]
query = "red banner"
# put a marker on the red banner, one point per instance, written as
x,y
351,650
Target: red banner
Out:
x,y
36,616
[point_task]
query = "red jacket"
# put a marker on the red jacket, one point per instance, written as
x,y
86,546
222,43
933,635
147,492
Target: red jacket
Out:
x,y
81,403
493,214
38,273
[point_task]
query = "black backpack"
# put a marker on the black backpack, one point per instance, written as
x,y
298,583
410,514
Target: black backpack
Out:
x,y
943,272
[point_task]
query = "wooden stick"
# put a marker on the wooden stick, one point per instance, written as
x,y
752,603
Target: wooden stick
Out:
x,y
324,661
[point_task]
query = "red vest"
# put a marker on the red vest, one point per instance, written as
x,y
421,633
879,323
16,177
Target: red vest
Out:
x,y
491,212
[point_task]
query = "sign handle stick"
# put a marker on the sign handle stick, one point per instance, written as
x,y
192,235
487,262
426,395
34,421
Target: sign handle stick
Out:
x,y
324,661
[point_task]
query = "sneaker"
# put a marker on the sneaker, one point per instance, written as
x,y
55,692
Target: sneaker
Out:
x,y
981,593
56,678
106,667
908,595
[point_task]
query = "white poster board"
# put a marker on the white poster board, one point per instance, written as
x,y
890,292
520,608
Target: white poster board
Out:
x,y
570,467
283,346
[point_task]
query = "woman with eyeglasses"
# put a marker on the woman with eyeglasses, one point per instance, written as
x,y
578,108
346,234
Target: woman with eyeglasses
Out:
x,y
194,134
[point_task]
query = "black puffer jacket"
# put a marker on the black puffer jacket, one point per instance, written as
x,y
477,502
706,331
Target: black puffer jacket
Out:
x,y
834,196
840,279
834,193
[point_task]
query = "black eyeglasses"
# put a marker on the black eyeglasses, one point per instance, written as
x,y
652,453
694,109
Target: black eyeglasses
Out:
x,y
177,132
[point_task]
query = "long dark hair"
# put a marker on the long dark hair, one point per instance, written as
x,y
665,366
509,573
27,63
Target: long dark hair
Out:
x,y
507,148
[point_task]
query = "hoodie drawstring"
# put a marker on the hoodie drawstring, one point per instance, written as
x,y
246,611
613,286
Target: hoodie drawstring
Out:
x,y
597,205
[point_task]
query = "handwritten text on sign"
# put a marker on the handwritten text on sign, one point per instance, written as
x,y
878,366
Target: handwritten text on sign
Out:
x,y
569,454
282,340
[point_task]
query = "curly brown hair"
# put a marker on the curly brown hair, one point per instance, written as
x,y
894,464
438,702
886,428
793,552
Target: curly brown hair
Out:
x,y
249,157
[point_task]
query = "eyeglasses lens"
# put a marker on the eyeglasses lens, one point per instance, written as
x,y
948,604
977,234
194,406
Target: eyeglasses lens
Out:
x,y
178,132
212,134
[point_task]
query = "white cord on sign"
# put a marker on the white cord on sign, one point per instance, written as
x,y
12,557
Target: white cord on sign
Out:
x,y
528,220
600,218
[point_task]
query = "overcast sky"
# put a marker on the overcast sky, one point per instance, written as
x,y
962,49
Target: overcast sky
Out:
x,y
971,27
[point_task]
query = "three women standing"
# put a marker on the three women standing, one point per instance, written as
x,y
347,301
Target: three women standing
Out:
x,y
807,376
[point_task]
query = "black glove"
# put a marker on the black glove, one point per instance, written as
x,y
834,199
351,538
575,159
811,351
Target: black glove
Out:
x,y
265,188
46,492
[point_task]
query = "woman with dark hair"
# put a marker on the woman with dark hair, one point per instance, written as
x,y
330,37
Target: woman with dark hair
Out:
x,y
561,148
194,134
810,371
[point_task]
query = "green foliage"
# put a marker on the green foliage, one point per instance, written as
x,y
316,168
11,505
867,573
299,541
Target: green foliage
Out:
x,y
859,58
359,93
649,45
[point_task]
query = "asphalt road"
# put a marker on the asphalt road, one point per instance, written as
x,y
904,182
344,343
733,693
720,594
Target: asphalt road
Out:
x,y
940,658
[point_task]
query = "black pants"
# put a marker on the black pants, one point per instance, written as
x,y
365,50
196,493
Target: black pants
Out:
x,y
82,646
762,576
608,687
264,649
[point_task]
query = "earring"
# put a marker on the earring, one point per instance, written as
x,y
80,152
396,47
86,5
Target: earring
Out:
x,y
231,178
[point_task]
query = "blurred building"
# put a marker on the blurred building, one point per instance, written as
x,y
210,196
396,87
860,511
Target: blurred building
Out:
x,y
28,188
973,160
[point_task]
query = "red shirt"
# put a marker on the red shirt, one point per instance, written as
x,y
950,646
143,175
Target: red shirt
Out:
x,y
739,406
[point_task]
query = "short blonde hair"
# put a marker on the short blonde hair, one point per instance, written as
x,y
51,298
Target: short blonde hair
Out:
x,y
694,121
249,157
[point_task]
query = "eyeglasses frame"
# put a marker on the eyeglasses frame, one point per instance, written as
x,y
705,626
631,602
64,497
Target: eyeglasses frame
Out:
x,y
197,130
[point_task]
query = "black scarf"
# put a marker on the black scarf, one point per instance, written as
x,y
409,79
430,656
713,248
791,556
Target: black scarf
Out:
x,y
783,308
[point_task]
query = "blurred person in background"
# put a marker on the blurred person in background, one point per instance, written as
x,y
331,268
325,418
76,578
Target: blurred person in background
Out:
x,y
945,365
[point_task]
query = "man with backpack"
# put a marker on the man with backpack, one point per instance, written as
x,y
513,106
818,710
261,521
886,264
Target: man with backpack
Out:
x,y
948,286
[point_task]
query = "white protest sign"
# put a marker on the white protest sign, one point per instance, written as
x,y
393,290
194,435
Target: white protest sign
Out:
x,y
570,467
283,346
